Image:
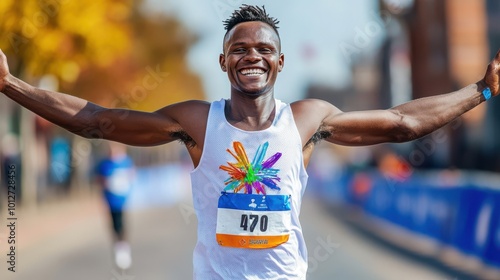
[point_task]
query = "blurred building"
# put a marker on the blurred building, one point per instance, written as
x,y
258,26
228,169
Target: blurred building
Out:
x,y
432,47
448,43
449,49
492,135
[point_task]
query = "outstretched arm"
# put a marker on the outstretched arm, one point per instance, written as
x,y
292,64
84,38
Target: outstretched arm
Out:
x,y
402,123
92,121
405,122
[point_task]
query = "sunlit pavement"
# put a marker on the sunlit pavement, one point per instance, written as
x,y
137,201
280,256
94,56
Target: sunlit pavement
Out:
x,y
72,242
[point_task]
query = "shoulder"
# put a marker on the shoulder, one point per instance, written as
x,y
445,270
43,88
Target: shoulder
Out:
x,y
190,105
186,110
314,110
310,103
190,118
310,116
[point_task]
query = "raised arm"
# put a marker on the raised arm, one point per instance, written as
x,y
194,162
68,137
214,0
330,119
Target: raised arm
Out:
x,y
402,123
92,121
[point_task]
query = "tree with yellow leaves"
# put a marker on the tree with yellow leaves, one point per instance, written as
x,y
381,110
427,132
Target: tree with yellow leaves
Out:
x,y
100,50
108,52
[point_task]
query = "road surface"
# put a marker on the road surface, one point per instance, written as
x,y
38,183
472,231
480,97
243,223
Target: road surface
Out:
x,y
71,241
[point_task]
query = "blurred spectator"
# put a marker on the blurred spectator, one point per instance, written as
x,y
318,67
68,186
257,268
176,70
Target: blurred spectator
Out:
x,y
60,167
115,173
394,167
11,160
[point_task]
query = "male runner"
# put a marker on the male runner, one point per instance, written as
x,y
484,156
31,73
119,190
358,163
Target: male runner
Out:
x,y
250,151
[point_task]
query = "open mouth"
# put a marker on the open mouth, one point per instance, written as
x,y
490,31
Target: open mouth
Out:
x,y
249,72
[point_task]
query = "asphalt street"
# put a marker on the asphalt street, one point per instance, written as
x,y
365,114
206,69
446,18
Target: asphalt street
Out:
x,y
71,241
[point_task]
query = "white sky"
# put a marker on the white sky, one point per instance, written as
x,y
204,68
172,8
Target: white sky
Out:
x,y
317,27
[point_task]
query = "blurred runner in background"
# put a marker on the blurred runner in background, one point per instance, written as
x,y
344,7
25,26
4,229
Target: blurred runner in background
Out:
x,y
115,174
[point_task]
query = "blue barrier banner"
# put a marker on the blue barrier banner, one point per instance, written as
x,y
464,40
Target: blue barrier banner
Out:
x,y
469,206
487,234
463,214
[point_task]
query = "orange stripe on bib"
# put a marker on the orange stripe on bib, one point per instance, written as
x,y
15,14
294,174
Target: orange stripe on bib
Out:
x,y
251,242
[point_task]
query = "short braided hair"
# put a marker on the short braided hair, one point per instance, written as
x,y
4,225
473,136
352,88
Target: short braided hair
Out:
x,y
250,13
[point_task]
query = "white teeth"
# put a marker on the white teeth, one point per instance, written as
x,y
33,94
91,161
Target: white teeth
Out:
x,y
252,72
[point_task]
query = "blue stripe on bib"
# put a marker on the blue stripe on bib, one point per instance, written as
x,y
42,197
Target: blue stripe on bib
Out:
x,y
254,202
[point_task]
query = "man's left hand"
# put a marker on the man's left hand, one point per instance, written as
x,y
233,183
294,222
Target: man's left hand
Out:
x,y
492,77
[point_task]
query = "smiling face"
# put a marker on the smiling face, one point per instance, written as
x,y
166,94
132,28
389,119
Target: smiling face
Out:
x,y
252,58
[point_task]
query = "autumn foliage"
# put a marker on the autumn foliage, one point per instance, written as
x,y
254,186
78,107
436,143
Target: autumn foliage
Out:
x,y
104,51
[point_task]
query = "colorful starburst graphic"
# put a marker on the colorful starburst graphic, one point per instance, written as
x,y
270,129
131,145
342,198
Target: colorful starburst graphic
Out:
x,y
248,176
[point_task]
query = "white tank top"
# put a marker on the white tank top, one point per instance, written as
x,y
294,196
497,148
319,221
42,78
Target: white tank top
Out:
x,y
213,261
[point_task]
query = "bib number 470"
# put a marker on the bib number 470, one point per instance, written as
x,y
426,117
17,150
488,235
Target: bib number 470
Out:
x,y
249,222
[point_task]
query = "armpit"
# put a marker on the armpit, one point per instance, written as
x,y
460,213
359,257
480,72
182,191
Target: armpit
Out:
x,y
320,134
183,138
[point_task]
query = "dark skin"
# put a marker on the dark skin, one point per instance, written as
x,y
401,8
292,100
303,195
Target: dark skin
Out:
x,y
252,59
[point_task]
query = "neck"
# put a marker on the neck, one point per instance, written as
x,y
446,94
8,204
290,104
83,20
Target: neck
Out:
x,y
249,113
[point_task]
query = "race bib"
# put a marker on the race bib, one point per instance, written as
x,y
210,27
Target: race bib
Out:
x,y
253,221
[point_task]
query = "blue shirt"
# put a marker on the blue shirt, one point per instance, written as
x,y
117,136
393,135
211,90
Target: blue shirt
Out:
x,y
117,177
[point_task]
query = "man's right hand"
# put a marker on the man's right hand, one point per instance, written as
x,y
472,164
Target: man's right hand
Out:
x,y
4,70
